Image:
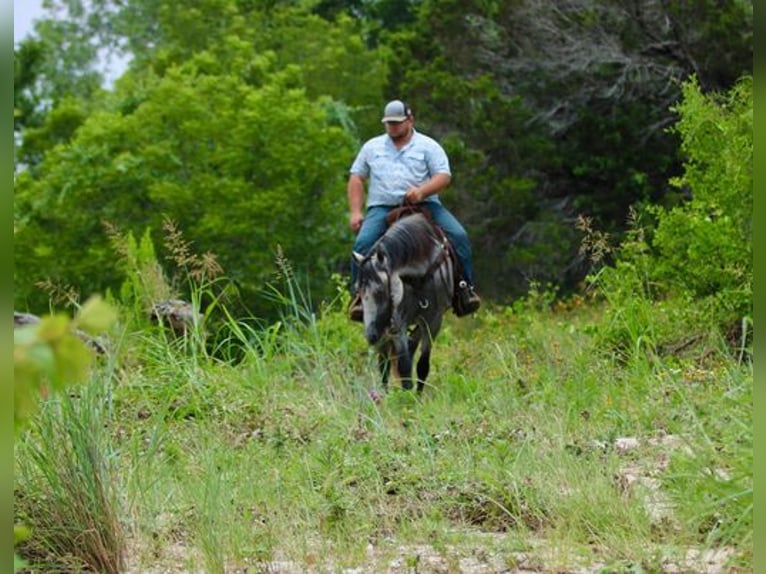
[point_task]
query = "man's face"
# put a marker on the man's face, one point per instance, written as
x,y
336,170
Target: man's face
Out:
x,y
398,130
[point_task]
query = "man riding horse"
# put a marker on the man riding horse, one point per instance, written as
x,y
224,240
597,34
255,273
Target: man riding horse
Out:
x,y
404,166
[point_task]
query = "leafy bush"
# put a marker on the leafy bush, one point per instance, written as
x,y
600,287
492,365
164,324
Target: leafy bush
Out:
x,y
705,245
697,254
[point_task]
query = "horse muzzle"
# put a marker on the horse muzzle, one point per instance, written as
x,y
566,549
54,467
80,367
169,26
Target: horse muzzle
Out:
x,y
373,334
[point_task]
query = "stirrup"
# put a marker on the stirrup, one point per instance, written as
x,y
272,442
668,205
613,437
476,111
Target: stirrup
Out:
x,y
466,301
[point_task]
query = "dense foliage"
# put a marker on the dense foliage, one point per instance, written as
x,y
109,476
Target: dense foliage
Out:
x,y
705,245
699,251
238,120
206,148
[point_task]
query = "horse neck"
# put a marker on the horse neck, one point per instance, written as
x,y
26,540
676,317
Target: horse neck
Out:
x,y
411,247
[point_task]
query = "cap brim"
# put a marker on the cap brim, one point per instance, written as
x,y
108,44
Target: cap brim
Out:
x,y
393,119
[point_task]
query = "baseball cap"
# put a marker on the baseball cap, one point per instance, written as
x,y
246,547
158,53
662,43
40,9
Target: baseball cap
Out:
x,y
396,111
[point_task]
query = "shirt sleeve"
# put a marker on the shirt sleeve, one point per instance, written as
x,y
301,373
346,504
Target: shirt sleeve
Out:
x,y
361,166
438,162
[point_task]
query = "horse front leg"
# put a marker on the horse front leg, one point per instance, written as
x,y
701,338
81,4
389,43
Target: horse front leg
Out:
x,y
423,362
426,332
424,367
401,359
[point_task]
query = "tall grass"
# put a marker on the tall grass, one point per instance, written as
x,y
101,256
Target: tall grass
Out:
x,y
281,459
66,484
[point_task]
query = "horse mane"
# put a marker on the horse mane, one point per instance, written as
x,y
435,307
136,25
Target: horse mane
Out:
x,y
409,239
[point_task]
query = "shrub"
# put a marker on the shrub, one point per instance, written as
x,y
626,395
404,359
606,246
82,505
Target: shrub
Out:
x,y
699,253
705,245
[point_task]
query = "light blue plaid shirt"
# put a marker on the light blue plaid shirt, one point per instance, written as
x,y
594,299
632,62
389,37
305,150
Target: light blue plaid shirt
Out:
x,y
390,172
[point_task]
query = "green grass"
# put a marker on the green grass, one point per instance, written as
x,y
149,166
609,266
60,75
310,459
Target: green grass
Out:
x,y
509,457
67,487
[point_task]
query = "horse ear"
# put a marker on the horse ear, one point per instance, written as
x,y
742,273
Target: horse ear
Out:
x,y
358,257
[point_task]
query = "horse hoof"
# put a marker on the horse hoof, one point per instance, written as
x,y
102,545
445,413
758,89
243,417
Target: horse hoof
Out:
x,y
375,396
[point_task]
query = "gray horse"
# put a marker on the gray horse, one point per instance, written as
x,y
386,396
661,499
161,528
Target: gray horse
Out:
x,y
406,284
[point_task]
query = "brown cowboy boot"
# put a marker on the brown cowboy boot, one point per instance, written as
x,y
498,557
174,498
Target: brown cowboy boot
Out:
x,y
355,312
466,301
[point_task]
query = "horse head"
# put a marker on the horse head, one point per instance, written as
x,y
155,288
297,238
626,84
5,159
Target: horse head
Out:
x,y
381,291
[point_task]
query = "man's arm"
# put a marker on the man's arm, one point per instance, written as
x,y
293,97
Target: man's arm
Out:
x,y
434,185
355,190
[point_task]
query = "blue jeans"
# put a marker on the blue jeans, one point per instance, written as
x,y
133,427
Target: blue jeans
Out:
x,y
374,225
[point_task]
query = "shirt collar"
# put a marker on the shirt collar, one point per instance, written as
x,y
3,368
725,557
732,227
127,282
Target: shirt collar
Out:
x,y
390,142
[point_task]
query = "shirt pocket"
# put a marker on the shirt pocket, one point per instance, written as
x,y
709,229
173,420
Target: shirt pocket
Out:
x,y
416,164
379,161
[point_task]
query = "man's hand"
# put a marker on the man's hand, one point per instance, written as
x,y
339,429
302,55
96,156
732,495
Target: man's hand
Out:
x,y
428,188
414,195
355,221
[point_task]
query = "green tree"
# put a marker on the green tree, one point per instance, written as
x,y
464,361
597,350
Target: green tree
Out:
x,y
563,106
240,128
27,62
54,67
699,252
60,58
235,165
